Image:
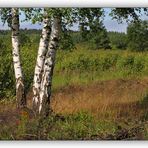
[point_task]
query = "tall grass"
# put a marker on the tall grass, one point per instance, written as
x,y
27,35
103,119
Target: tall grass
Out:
x,y
83,66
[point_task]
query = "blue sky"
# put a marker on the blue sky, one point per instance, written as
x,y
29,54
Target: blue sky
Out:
x,y
111,25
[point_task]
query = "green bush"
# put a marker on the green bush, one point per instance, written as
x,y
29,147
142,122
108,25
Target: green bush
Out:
x,y
118,40
6,69
126,62
139,63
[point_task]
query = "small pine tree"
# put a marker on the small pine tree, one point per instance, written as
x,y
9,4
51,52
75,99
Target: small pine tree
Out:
x,y
100,40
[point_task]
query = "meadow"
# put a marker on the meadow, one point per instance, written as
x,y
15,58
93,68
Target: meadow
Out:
x,y
96,95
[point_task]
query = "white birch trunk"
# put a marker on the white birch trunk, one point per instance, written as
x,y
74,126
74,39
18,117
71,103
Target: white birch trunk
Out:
x,y
45,92
43,47
20,90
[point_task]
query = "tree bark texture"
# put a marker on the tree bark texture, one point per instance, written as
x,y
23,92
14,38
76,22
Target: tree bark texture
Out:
x,y
20,89
43,47
45,92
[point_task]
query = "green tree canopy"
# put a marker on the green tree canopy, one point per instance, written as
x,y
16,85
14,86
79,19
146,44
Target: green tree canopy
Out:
x,y
137,34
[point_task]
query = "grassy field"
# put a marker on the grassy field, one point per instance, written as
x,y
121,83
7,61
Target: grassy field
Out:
x,y
85,66
97,95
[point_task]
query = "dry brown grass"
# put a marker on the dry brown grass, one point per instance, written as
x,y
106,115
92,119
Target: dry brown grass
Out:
x,y
114,99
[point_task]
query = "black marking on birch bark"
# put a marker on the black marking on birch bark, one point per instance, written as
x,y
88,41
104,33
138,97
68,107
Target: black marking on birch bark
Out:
x,y
14,54
47,70
38,65
41,56
15,34
40,75
52,45
46,64
38,80
13,29
55,39
19,67
15,62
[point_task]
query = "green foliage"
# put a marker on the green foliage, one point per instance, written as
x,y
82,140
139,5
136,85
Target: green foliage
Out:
x,y
78,66
5,14
118,40
6,68
80,60
66,42
137,34
83,66
128,14
77,126
28,56
99,40
25,40
92,30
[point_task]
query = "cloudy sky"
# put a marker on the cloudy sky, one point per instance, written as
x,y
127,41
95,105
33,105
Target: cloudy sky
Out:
x,y
111,25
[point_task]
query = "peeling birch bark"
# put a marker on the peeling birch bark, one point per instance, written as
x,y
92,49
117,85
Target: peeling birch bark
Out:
x,y
43,47
45,92
20,90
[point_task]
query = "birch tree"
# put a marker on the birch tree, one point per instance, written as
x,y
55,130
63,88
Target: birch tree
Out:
x,y
46,83
20,88
11,17
43,47
46,59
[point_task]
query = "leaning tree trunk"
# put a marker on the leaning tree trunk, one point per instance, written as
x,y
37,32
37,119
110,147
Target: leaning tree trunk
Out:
x,y
43,47
45,92
20,90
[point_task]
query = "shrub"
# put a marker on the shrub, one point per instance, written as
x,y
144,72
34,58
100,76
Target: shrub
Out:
x,y
126,62
118,40
6,70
